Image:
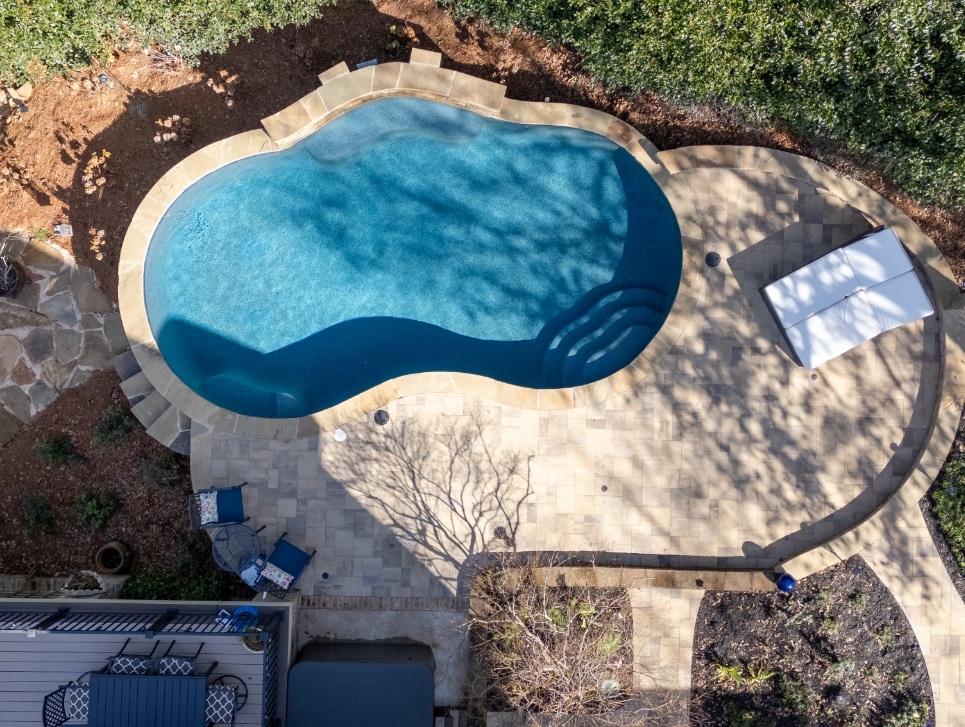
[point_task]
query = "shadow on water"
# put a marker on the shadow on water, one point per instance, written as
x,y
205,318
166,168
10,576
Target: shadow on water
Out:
x,y
601,333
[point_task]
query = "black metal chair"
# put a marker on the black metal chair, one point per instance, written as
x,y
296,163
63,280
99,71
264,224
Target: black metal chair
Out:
x,y
132,664
69,703
229,507
168,665
55,711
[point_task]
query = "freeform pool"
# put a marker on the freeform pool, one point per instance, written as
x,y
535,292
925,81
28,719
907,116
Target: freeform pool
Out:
x,y
407,236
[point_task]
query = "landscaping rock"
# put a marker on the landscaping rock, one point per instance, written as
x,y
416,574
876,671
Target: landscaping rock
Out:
x,y
95,352
39,256
91,300
10,351
54,373
39,345
87,293
29,296
114,330
22,374
61,309
9,426
58,284
79,377
17,402
41,395
67,344
89,322
13,317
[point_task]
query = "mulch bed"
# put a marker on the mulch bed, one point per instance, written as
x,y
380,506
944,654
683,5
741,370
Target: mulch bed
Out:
x,y
841,634
151,520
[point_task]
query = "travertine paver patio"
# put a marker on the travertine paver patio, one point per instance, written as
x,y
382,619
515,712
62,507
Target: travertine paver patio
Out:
x,y
908,564
729,455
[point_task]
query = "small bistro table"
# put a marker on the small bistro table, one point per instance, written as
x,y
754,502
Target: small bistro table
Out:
x,y
120,700
235,546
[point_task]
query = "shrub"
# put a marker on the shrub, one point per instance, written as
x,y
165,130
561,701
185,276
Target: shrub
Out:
x,y
113,428
948,504
161,471
558,651
38,516
738,714
54,36
95,508
58,449
795,696
191,576
884,80
909,714
839,670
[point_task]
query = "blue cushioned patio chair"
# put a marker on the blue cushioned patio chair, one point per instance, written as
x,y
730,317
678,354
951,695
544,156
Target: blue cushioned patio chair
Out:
x,y
286,557
231,509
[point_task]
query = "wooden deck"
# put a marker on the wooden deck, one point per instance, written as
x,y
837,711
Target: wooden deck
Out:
x,y
32,666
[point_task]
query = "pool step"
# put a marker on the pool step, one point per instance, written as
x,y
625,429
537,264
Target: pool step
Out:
x,y
160,418
582,344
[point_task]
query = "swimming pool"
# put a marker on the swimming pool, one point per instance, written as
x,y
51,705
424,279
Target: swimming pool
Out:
x,y
406,236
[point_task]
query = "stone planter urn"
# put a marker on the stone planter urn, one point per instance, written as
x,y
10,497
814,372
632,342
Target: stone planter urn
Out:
x,y
113,558
84,584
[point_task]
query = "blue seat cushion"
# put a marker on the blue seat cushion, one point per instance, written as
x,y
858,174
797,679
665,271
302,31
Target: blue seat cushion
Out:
x,y
290,559
230,506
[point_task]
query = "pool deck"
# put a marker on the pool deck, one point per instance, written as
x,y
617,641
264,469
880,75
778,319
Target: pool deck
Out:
x,y
716,452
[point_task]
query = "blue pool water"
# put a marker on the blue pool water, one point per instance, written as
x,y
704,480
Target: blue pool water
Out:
x,y
409,236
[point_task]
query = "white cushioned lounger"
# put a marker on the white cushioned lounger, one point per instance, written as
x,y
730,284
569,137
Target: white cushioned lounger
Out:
x,y
846,297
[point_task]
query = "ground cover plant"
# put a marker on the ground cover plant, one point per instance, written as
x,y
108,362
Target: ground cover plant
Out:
x,y
56,449
838,651
550,650
54,36
884,79
948,507
95,508
190,575
114,427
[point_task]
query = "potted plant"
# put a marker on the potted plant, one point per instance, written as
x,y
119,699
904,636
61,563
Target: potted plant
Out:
x,y
251,640
12,277
84,584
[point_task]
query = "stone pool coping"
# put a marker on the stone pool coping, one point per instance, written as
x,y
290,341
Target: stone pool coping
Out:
x,y
341,91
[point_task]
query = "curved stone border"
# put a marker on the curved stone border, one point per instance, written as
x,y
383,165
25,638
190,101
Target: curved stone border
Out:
x,y
342,91
945,292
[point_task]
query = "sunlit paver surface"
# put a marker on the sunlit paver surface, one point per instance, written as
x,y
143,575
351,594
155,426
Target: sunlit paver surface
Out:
x,y
728,455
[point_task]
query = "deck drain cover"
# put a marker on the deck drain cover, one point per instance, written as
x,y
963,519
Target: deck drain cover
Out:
x,y
712,259
381,417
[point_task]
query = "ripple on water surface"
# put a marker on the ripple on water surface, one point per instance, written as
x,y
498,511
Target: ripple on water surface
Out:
x,y
408,236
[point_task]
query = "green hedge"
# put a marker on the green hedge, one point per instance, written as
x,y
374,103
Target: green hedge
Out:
x,y
58,35
884,78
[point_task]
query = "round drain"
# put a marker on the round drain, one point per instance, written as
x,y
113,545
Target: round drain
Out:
x,y
339,435
712,259
381,417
